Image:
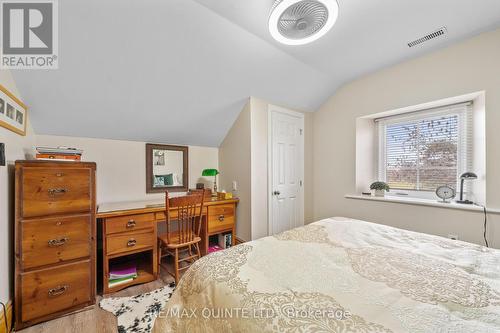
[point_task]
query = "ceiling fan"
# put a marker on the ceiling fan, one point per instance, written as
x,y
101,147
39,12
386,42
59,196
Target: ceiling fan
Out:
x,y
298,22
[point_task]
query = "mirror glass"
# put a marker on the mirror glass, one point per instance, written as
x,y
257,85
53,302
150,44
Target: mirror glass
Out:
x,y
168,168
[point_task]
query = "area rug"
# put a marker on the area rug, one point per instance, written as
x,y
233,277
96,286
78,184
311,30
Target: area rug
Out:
x,y
138,313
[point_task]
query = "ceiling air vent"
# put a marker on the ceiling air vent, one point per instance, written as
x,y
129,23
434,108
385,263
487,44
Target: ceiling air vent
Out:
x,y
432,35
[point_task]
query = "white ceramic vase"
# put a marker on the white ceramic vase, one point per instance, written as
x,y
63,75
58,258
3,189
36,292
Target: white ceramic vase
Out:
x,y
380,193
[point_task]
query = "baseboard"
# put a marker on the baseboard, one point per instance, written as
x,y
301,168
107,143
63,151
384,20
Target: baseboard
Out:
x,y
239,241
8,308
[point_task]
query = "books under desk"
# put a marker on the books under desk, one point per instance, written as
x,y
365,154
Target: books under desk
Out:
x,y
129,270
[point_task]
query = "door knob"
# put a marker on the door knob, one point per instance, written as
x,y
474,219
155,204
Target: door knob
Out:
x,y
276,192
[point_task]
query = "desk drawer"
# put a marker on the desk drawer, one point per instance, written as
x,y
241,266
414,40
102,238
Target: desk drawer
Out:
x,y
129,241
220,217
49,241
48,191
160,216
56,289
129,223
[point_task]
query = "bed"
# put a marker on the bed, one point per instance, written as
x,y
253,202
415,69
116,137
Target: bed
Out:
x,y
340,275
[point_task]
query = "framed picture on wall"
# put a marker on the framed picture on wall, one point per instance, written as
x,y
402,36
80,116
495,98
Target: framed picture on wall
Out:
x,y
13,112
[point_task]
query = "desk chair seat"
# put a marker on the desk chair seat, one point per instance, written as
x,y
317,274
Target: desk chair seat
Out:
x,y
175,240
182,239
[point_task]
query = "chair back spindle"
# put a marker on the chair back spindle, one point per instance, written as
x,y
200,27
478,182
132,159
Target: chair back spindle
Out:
x,y
186,213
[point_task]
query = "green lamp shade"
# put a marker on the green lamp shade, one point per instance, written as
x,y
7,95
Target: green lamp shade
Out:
x,y
210,172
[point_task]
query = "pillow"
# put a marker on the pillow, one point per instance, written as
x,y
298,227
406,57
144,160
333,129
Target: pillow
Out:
x,y
169,179
159,181
164,180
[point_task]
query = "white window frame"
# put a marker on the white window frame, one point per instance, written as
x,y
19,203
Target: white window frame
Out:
x,y
464,149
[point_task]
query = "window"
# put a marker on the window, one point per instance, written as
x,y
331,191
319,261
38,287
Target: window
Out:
x,y
422,150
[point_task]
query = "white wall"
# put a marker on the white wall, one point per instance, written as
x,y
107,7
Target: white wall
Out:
x,y
260,191
16,148
463,68
259,133
243,157
235,164
121,167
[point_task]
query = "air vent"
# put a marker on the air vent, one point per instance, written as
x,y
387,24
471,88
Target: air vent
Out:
x,y
432,35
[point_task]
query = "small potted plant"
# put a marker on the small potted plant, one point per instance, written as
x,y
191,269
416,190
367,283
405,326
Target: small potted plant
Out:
x,y
380,188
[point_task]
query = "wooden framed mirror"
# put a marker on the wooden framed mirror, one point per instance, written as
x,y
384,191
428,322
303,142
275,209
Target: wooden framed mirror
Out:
x,y
166,168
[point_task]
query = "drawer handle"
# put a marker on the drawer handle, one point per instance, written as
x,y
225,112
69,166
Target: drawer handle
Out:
x,y
131,242
59,174
58,242
57,291
221,218
131,224
54,191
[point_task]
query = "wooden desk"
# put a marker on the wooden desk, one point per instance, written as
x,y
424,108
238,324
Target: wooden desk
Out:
x,y
129,232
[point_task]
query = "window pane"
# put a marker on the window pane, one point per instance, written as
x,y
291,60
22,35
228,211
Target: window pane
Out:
x,y
438,152
431,178
404,179
422,155
402,156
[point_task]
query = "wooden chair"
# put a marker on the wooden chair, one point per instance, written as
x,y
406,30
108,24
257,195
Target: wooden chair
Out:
x,y
183,232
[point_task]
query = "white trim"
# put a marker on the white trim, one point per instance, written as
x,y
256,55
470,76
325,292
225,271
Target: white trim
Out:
x,y
425,106
269,171
277,109
423,202
416,114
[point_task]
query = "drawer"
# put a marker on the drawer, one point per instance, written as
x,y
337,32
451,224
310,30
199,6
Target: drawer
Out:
x,y
49,241
47,291
129,223
56,191
160,216
220,217
129,241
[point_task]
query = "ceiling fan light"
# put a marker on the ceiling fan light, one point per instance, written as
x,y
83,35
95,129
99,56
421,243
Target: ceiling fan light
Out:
x,y
299,22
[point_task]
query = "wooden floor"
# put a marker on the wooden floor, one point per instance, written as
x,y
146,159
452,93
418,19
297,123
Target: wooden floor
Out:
x,y
95,319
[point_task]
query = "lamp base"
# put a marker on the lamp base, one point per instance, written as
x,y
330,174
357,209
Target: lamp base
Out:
x,y
214,193
464,202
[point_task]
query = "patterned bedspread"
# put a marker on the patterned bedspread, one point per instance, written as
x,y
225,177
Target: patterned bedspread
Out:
x,y
340,275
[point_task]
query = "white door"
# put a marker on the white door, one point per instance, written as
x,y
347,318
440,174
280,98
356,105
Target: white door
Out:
x,y
286,174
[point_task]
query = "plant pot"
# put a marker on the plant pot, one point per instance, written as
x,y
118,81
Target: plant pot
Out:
x,y
379,193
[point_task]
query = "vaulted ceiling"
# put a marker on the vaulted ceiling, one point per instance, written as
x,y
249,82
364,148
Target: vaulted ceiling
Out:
x,y
180,71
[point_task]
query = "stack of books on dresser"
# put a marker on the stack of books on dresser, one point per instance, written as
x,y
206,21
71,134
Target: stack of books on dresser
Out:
x,y
58,154
122,274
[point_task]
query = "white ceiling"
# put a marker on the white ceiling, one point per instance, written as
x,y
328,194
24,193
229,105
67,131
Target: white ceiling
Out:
x,y
180,71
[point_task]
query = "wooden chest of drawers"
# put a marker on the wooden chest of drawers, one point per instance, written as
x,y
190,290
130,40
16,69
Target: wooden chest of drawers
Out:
x,y
55,246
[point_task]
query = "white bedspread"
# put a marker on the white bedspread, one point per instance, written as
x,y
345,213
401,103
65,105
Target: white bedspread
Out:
x,y
340,275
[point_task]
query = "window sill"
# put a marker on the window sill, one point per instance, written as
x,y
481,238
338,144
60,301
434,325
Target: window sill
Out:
x,y
421,202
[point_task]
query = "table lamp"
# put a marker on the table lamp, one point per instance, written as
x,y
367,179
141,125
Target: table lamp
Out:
x,y
463,177
210,173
